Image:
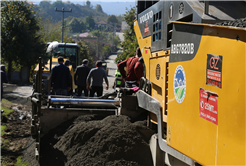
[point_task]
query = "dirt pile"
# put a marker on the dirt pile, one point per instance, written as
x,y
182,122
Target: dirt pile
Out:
x,y
16,133
97,140
236,23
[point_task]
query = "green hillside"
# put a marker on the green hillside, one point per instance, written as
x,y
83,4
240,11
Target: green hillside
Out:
x,y
46,10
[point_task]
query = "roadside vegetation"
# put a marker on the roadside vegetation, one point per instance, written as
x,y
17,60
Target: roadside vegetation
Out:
x,y
130,42
5,106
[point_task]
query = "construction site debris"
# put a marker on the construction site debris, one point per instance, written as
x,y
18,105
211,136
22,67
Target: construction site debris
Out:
x,y
98,140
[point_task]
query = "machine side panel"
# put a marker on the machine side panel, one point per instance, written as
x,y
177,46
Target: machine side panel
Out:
x,y
185,42
218,139
158,78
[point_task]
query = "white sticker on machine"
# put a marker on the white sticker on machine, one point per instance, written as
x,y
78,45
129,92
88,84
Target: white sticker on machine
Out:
x,y
179,84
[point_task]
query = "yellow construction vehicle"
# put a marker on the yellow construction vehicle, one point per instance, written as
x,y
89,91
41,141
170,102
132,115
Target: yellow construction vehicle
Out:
x,y
194,87
48,111
69,51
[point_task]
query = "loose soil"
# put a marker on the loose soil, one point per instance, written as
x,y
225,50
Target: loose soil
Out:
x,y
96,140
17,132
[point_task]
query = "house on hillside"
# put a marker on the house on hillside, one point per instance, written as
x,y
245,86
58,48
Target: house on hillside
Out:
x,y
66,3
92,40
83,36
102,23
78,5
31,3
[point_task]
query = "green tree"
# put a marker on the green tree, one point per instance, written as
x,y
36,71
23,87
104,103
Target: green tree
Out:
x,y
85,53
44,4
99,8
112,19
51,30
19,34
105,51
90,22
130,42
88,4
76,26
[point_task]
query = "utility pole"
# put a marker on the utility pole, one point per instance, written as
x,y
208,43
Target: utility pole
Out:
x,y
62,18
114,24
98,45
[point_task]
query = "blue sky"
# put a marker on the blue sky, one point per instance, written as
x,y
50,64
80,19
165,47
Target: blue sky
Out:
x,y
115,7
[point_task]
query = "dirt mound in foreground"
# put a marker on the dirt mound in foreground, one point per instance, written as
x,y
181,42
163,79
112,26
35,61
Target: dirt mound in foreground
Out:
x,y
97,140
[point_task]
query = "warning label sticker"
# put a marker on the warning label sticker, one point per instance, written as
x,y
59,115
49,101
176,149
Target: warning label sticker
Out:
x,y
208,106
214,70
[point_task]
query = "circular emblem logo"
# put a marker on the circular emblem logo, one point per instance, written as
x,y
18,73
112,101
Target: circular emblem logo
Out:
x,y
158,72
179,84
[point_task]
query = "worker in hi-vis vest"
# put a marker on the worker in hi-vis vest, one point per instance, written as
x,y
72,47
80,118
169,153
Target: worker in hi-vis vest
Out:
x,y
119,82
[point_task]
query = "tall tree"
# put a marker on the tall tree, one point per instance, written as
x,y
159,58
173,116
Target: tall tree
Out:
x,y
85,53
76,26
112,19
88,4
130,43
99,8
51,30
48,1
44,4
90,22
19,34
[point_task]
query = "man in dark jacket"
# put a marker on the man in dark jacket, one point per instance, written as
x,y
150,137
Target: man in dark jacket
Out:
x,y
60,78
4,79
80,76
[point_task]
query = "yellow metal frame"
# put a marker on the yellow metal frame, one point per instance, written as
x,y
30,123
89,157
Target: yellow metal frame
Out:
x,y
197,138
47,69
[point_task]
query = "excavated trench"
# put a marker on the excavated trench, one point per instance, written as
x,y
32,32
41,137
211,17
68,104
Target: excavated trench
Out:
x,y
96,140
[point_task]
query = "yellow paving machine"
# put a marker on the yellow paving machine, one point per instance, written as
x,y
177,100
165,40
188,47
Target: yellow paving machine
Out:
x,y
194,87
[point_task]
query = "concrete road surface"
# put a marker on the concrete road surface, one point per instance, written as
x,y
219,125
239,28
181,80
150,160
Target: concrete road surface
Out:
x,y
17,94
111,73
120,34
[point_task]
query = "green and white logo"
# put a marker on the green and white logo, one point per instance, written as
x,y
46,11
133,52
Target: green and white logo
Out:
x,y
179,84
